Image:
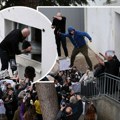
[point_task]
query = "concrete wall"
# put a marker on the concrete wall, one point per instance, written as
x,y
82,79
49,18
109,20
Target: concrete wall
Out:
x,y
107,109
74,15
103,25
99,26
116,31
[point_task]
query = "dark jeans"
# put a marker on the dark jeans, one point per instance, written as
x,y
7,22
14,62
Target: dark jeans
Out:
x,y
84,51
9,115
60,40
4,59
39,116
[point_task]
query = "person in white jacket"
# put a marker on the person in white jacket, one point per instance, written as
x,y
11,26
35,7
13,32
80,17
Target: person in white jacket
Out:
x,y
87,77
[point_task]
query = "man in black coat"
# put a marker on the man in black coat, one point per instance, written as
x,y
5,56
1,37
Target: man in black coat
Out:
x,y
59,23
9,47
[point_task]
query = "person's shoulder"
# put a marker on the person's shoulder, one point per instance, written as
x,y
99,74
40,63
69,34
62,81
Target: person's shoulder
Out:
x,y
78,32
16,30
63,17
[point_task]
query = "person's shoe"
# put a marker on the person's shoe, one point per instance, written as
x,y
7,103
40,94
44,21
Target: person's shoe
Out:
x,y
70,66
57,58
90,69
67,58
61,57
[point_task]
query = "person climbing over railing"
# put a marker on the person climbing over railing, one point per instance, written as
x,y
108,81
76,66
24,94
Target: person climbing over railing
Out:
x,y
111,62
111,66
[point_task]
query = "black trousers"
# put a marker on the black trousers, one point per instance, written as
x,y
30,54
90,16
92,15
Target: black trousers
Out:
x,y
4,59
39,117
61,40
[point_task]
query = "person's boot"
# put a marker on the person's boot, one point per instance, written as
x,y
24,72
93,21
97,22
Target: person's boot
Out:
x,y
70,66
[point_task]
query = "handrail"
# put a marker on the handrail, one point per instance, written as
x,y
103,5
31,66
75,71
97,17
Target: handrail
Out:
x,y
117,77
106,84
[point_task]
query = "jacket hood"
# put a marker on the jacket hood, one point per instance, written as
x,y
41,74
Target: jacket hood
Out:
x,y
70,28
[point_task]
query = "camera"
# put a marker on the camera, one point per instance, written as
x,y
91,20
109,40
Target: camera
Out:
x,y
63,103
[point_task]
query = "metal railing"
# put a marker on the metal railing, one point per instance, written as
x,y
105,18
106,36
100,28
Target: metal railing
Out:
x,y
109,85
105,84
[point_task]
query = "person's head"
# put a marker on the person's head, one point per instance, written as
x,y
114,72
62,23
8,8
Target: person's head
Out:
x,y
30,72
25,32
71,30
18,86
55,81
4,82
73,99
10,91
36,97
109,54
68,79
68,111
91,109
60,73
22,82
8,85
59,14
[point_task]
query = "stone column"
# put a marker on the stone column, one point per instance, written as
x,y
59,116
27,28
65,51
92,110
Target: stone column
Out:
x,y
48,99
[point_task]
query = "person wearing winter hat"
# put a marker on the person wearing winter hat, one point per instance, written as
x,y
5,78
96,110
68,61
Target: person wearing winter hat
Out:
x,y
77,38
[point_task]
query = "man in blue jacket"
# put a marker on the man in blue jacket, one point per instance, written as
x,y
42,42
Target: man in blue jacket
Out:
x,y
77,39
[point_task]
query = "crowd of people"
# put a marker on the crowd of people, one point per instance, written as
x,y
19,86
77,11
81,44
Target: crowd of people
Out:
x,y
18,97
71,85
76,37
71,97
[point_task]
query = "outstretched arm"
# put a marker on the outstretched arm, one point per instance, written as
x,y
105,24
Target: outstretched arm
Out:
x,y
102,55
58,17
99,59
63,34
60,113
79,106
87,35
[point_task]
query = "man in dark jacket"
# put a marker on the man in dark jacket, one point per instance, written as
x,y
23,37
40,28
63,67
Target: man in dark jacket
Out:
x,y
9,47
111,66
59,23
71,112
77,39
111,63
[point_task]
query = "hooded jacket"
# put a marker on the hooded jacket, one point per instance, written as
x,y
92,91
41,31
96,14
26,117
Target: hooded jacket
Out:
x,y
78,39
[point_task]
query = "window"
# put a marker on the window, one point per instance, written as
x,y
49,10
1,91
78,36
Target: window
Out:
x,y
35,39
